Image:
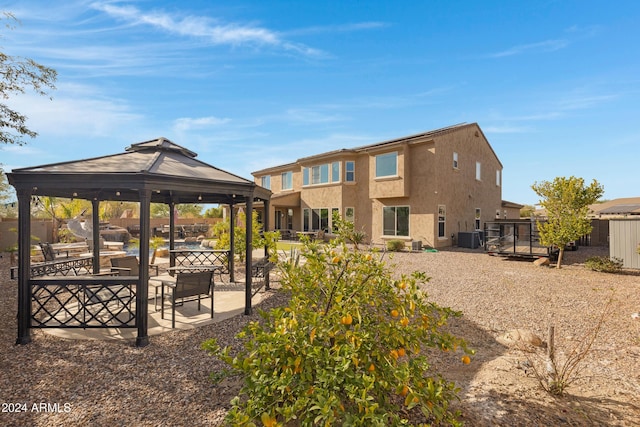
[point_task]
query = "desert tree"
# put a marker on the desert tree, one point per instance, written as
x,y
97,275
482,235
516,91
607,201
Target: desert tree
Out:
x,y
566,202
17,74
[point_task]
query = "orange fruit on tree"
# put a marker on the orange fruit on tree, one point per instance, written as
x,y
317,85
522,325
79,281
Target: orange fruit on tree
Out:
x,y
401,352
268,420
404,390
371,368
394,313
404,321
347,319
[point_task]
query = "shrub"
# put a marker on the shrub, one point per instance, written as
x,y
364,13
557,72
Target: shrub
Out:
x,y
346,350
557,370
604,264
223,236
395,245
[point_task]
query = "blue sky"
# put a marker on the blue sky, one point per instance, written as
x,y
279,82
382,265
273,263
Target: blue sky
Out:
x,y
252,84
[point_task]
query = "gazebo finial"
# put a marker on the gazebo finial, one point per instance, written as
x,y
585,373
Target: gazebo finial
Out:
x,y
161,144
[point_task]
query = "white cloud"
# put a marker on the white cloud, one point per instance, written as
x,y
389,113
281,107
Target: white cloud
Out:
x,y
76,110
187,123
338,28
581,102
544,46
195,26
505,129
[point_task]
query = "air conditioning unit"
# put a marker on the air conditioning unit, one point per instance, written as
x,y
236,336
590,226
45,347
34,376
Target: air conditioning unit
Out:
x,y
416,245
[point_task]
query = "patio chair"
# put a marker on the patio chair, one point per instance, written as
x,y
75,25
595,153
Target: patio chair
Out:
x,y
129,266
190,287
49,253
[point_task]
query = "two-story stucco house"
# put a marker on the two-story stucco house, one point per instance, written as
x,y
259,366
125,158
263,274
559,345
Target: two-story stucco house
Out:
x,y
425,187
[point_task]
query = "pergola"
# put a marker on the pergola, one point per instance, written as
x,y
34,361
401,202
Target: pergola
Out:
x,y
157,171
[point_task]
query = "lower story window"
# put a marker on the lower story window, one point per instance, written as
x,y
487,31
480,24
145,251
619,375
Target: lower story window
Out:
x,y
442,217
316,219
395,221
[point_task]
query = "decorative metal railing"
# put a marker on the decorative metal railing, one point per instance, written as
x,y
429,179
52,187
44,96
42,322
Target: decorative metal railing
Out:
x,y
194,257
84,302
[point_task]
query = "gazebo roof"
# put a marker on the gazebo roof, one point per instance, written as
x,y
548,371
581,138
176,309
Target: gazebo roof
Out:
x,y
170,171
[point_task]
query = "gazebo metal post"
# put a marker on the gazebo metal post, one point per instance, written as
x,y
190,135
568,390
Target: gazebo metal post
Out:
x,y
248,252
232,244
142,306
265,228
95,221
172,237
24,267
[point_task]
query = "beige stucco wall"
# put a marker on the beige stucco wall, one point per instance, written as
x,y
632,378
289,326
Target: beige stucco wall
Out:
x,y
396,186
459,190
426,179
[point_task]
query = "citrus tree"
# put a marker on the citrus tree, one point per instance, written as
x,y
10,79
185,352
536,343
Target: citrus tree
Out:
x,y
566,201
348,349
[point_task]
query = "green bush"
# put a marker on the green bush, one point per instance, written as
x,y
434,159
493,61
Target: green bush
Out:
x,y
346,350
259,240
395,245
604,264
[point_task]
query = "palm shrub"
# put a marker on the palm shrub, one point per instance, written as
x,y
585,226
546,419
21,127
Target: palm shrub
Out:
x,y
346,350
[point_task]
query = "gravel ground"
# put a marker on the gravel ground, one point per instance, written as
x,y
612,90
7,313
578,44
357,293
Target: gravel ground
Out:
x,y
166,383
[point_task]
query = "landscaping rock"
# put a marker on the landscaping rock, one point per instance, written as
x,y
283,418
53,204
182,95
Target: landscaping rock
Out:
x,y
518,337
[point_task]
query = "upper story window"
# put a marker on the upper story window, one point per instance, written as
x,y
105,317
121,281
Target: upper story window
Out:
x,y
478,171
455,160
335,171
350,171
498,178
287,180
265,181
387,164
321,174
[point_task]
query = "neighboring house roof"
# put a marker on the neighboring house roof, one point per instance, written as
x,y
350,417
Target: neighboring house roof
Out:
x,y
508,204
633,209
419,137
622,206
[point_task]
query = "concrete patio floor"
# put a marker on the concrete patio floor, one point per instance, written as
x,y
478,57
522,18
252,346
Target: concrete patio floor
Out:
x,y
228,302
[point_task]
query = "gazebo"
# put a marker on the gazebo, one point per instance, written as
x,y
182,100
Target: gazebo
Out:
x,y
157,171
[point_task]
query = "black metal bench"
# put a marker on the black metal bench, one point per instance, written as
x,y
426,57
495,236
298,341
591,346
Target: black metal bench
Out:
x,y
60,267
